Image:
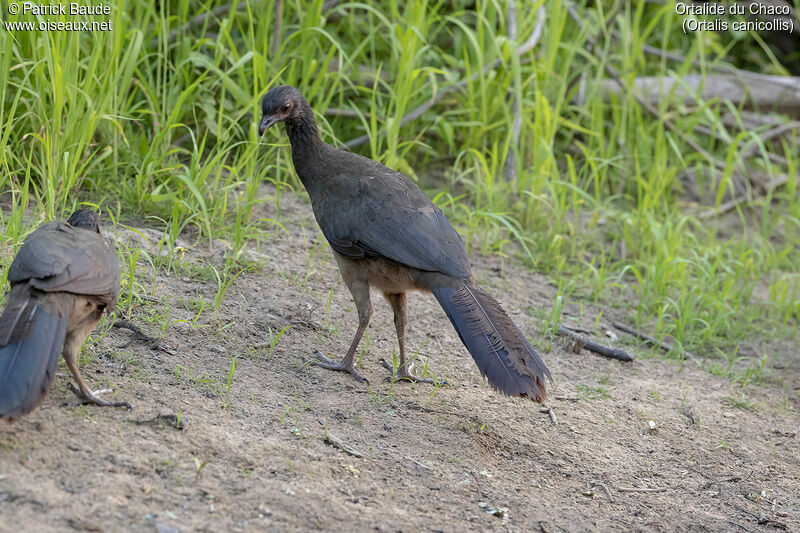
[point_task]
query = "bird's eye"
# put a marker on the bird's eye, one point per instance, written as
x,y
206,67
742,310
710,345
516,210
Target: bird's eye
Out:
x,y
287,106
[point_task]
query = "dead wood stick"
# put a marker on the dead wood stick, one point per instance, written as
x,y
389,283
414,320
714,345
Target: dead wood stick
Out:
x,y
728,73
526,47
769,135
636,489
336,442
601,349
418,463
732,204
643,336
664,345
549,410
742,88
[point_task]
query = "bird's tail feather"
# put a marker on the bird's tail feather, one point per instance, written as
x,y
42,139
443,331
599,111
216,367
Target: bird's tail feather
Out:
x,y
499,348
31,337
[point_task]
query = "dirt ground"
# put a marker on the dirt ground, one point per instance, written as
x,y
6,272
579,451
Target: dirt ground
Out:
x,y
652,445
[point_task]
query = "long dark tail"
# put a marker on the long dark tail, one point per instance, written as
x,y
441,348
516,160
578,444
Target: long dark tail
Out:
x,y
32,332
499,348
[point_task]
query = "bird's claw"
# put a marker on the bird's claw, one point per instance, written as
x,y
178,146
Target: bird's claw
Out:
x,y
404,374
323,362
88,397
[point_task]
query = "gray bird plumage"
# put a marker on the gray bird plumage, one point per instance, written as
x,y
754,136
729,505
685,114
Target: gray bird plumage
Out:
x,y
62,279
387,234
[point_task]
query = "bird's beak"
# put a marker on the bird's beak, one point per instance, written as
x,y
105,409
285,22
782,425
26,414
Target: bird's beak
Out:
x,y
266,123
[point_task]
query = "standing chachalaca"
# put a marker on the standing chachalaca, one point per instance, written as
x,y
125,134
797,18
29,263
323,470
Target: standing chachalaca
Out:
x,y
387,234
62,279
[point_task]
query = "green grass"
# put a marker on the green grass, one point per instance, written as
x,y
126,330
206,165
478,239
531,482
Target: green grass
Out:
x,y
161,131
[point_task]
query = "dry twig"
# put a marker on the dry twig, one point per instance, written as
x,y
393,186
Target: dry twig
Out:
x,y
600,349
549,410
732,204
637,489
336,442
666,346
418,463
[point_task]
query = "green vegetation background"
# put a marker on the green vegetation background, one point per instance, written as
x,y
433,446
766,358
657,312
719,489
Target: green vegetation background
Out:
x,y
155,122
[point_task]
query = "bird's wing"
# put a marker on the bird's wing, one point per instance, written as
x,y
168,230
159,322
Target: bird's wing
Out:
x,y
387,215
59,257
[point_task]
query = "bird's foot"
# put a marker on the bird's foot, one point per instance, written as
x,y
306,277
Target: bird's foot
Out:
x,y
323,362
404,374
88,396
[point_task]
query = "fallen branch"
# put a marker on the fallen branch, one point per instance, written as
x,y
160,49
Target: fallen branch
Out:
x,y
732,204
601,349
714,88
744,89
768,136
666,346
635,489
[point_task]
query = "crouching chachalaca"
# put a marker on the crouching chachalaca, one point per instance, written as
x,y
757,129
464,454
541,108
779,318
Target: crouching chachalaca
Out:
x,y
387,234
62,279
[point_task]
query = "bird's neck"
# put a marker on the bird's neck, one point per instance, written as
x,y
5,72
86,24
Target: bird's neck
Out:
x,y
307,145
303,133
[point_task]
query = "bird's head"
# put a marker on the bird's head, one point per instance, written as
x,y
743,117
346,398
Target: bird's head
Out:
x,y
279,104
83,218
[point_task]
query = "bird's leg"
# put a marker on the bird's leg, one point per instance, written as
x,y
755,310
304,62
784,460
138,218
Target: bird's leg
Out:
x,y
360,292
83,391
399,308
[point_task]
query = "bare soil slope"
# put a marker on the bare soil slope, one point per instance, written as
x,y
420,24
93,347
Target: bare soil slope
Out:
x,y
268,454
